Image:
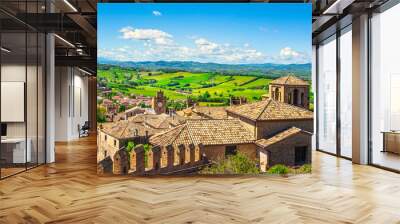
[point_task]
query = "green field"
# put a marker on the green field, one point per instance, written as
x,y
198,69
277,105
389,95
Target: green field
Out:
x,y
208,88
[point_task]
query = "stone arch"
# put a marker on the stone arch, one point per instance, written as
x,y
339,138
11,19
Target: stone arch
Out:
x,y
277,93
296,97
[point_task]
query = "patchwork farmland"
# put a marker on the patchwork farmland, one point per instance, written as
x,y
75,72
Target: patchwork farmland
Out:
x,y
207,88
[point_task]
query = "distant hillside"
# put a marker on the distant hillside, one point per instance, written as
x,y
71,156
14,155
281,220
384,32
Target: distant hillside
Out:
x,y
266,70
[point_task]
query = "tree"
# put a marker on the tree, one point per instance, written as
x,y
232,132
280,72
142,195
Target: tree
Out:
x,y
101,117
121,108
206,95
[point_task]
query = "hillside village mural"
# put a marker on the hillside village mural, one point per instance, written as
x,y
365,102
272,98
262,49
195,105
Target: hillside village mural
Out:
x,y
173,101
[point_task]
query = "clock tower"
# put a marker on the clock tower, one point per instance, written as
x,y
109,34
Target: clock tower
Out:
x,y
159,103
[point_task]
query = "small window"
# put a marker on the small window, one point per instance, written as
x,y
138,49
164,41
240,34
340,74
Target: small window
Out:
x,y
105,153
115,142
230,150
105,137
300,154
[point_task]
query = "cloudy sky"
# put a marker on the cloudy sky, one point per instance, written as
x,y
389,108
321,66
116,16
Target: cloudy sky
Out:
x,y
220,33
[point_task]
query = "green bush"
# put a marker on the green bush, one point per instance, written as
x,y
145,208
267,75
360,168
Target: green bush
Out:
x,y
278,169
101,114
146,148
306,168
235,164
129,146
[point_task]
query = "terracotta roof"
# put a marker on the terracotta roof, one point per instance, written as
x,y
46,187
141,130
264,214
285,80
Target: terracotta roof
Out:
x,y
264,143
136,109
139,124
127,129
211,112
270,110
202,112
206,132
290,80
157,121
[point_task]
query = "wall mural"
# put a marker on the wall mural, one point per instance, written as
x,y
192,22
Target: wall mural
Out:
x,y
204,89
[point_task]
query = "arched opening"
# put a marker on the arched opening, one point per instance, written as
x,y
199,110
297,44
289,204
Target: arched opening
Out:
x,y
277,93
296,97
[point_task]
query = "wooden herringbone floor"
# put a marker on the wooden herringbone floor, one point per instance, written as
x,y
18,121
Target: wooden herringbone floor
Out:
x,y
69,191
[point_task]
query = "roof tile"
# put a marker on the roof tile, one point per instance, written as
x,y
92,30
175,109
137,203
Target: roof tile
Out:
x,y
290,80
270,110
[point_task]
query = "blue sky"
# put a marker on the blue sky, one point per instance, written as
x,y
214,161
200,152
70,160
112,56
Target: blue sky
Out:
x,y
221,33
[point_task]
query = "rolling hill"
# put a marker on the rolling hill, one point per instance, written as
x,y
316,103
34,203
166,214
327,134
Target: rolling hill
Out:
x,y
268,70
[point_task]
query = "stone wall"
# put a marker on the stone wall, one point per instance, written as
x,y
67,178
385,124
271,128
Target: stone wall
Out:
x,y
283,152
169,159
160,160
217,152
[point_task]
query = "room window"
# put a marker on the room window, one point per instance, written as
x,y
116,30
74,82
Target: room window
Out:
x,y
326,97
385,89
346,93
230,150
115,142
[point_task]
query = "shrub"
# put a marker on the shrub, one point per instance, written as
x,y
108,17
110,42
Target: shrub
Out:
x,y
129,146
235,164
306,168
146,148
101,114
278,169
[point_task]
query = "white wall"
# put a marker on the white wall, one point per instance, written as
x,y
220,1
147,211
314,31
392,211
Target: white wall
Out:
x,y
71,102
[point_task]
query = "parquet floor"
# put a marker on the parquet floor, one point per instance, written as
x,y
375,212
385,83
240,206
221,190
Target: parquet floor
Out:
x,y
69,191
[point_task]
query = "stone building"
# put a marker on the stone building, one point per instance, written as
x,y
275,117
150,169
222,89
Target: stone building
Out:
x,y
136,111
219,137
266,118
291,90
113,136
159,103
282,131
269,131
238,100
291,147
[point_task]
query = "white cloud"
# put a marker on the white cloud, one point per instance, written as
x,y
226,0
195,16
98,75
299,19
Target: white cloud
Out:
x,y
157,13
227,53
151,35
206,46
290,55
159,45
